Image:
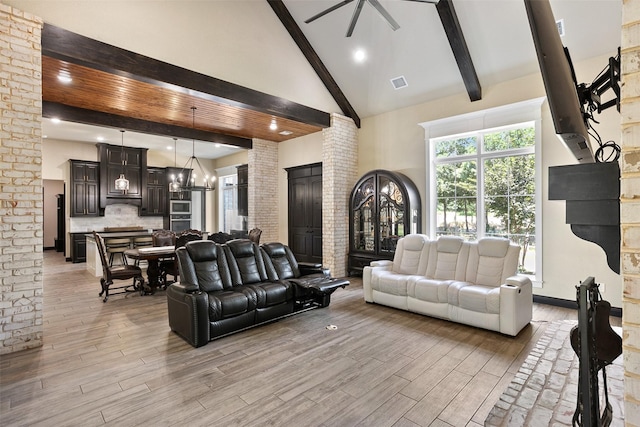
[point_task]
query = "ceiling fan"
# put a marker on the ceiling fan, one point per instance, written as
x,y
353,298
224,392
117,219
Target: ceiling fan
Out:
x,y
356,13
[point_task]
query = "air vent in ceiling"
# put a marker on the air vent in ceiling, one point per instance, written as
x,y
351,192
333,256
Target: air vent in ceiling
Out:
x,y
399,82
560,24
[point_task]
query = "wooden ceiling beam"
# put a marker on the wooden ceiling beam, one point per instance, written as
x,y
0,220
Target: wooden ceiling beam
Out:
x,y
452,28
71,47
314,60
91,117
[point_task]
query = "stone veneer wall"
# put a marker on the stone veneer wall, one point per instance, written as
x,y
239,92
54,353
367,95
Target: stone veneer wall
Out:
x,y
339,169
20,181
263,189
630,208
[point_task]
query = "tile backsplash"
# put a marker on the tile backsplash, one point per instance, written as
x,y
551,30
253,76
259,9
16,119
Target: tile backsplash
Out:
x,y
119,215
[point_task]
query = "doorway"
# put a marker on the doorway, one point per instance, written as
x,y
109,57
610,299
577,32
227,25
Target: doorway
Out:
x,y
305,212
53,211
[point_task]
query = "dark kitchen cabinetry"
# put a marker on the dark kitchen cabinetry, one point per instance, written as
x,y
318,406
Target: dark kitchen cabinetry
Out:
x,y
305,212
84,188
243,190
78,247
115,160
154,197
384,206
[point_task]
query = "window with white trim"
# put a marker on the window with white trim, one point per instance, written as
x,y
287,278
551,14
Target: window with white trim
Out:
x,y
228,217
484,184
483,142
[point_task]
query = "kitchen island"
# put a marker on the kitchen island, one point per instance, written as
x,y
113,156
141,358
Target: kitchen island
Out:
x,y
94,264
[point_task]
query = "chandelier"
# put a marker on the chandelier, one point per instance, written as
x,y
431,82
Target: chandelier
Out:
x,y
122,183
188,178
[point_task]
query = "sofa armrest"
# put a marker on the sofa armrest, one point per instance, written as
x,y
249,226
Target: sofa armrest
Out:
x,y
366,276
516,304
381,263
185,288
313,268
188,311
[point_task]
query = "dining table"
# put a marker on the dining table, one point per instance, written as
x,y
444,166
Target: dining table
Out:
x,y
153,255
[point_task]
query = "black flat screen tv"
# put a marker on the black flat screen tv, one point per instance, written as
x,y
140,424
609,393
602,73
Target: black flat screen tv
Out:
x,y
559,80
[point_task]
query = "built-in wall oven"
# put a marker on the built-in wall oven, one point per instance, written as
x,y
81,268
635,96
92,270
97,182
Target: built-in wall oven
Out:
x,y
180,215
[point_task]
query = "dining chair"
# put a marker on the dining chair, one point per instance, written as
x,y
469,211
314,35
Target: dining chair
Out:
x,y
168,266
118,272
116,246
142,242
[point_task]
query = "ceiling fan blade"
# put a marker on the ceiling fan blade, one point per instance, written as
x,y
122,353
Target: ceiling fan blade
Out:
x,y
329,10
382,11
354,18
425,1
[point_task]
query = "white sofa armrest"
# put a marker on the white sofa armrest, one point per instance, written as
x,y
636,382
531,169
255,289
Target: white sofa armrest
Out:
x,y
516,304
366,276
381,263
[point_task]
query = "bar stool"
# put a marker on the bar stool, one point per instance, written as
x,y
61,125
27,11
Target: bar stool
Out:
x,y
142,242
115,246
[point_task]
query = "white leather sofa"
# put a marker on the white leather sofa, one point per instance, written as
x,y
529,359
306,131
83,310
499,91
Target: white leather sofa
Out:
x,y
475,283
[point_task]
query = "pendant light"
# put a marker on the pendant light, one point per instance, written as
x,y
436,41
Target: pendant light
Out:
x,y
122,183
175,184
193,182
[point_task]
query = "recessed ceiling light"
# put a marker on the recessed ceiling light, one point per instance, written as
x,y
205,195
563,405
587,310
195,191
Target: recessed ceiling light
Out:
x,y
55,120
45,136
286,132
273,125
100,138
64,77
359,55
217,145
169,147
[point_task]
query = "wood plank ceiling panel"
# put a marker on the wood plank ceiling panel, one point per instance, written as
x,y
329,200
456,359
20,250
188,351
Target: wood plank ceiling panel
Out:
x,y
96,90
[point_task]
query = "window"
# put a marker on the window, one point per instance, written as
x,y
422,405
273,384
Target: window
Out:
x,y
228,202
485,185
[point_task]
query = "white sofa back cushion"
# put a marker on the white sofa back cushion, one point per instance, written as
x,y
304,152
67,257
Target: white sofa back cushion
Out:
x,y
491,261
448,259
412,254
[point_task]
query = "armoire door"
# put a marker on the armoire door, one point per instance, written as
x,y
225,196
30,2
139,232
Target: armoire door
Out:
x,y
305,212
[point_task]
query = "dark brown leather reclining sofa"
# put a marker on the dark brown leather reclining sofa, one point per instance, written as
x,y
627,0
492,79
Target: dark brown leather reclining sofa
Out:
x,y
225,288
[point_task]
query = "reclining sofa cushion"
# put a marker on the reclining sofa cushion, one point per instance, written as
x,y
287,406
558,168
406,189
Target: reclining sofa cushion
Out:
x,y
390,283
247,265
447,262
491,261
208,268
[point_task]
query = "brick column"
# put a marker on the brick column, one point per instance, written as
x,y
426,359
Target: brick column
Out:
x,y
263,189
20,181
339,169
630,209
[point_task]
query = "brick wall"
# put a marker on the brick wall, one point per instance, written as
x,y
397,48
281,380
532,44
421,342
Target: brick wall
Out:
x,y
339,169
263,189
20,181
630,208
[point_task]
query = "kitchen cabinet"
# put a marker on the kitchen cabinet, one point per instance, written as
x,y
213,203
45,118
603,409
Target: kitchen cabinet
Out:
x,y
84,188
154,200
78,247
384,206
243,190
115,160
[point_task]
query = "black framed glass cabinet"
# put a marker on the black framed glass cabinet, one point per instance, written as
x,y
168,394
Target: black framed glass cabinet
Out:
x,y
384,206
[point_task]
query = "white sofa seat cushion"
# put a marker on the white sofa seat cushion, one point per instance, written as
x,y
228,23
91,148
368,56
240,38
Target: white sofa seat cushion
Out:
x,y
483,299
428,289
390,282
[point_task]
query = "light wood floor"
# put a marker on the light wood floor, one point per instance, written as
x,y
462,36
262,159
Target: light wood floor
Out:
x,y
119,364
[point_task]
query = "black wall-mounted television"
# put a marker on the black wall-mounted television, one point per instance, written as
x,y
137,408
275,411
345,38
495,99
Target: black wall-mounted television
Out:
x,y
559,80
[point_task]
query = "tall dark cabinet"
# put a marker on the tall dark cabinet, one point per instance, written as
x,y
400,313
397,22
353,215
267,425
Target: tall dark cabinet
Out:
x,y
156,189
305,212
85,179
384,206
243,190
